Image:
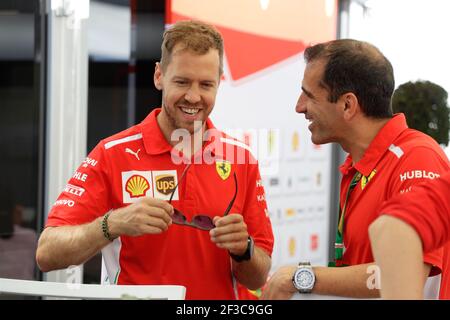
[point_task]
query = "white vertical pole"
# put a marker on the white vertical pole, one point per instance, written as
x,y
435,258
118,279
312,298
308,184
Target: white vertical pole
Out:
x,y
66,119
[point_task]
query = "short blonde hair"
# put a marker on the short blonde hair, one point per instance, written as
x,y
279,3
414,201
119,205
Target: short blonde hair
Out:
x,y
195,36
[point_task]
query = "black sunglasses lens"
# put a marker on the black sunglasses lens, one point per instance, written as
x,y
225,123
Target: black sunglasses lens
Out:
x,y
203,222
178,217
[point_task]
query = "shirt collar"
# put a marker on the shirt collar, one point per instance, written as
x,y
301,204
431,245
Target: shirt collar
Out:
x,y
377,148
154,141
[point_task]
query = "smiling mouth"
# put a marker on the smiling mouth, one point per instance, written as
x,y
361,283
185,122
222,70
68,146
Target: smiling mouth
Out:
x,y
190,111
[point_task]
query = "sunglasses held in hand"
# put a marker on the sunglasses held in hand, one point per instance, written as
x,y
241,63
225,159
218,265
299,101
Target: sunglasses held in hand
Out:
x,y
199,221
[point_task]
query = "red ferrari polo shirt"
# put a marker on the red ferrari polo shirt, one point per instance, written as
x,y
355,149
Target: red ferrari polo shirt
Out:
x,y
427,210
397,159
138,162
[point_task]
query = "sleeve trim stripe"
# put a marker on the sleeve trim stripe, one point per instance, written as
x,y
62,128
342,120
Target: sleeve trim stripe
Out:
x,y
236,143
123,140
396,150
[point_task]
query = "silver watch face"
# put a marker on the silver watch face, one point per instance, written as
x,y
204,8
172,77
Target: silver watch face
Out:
x,y
304,279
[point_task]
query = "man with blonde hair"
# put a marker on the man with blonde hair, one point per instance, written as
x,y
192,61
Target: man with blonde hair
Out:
x,y
159,212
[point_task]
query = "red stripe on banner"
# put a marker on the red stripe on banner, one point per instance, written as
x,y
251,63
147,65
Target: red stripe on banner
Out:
x,y
169,18
249,53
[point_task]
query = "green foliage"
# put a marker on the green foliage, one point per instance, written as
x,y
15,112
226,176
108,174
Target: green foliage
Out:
x,y
425,107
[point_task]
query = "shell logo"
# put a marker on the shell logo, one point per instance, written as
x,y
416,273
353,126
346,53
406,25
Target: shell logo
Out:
x,y
137,186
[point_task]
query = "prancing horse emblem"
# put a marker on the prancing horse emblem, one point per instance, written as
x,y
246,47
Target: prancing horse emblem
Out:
x,y
223,168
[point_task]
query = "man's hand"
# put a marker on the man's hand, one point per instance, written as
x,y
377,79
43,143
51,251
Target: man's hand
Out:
x,y
280,286
147,216
230,233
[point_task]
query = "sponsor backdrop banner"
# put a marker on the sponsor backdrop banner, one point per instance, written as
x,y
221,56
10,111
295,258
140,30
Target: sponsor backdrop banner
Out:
x,y
263,68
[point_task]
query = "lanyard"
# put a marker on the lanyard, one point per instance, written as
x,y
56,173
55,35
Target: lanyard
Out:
x,y
339,243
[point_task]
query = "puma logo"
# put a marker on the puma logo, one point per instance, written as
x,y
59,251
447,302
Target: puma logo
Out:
x,y
136,154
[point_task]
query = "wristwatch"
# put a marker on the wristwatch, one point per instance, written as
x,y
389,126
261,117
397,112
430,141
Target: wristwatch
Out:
x,y
304,278
247,254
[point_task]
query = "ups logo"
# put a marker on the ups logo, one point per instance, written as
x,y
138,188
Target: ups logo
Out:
x,y
165,184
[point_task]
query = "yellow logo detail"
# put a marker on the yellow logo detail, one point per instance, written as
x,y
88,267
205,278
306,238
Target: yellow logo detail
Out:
x,y
137,186
165,183
290,212
295,141
270,141
366,180
292,246
223,168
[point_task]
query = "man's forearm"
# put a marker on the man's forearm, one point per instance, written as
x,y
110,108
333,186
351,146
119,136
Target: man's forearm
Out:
x,y
397,249
253,273
360,281
61,247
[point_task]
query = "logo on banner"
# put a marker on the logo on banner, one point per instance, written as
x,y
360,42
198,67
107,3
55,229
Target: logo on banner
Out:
x,y
292,246
295,142
314,242
290,212
366,180
274,182
136,184
165,183
318,179
223,168
271,142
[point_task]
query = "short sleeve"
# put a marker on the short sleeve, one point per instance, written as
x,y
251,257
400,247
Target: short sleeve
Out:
x,y
427,209
255,211
86,195
420,165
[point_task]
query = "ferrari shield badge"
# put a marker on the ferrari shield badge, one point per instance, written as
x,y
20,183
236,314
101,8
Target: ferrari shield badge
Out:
x,y
223,168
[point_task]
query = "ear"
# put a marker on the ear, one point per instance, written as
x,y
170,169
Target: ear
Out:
x,y
157,76
351,105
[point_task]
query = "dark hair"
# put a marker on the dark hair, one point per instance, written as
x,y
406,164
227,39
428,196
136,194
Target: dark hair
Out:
x,y
357,67
195,36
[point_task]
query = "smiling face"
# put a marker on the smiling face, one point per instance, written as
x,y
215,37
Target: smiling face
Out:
x,y
324,116
189,87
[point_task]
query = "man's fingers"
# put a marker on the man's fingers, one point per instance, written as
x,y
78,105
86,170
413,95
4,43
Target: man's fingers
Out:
x,y
152,202
229,219
146,229
238,238
156,222
157,213
222,229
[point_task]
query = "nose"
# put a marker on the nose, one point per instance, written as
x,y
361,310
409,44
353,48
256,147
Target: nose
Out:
x,y
193,94
301,104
